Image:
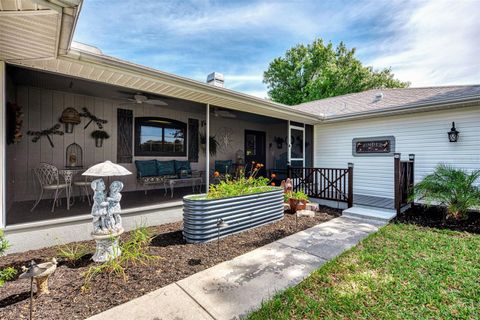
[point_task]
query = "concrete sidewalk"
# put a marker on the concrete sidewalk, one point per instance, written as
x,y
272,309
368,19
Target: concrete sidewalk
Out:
x,y
233,288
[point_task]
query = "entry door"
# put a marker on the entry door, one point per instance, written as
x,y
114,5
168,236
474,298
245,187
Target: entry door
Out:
x,y
296,146
255,149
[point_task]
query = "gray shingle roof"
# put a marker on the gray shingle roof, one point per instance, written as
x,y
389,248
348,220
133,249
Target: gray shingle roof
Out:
x,y
381,99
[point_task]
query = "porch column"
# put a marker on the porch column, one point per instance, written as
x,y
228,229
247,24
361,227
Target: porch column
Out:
x,y
3,106
207,149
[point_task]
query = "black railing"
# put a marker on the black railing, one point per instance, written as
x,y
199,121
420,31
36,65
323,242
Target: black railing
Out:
x,y
334,184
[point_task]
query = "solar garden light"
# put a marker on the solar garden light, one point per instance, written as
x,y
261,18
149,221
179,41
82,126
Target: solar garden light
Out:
x,y
220,224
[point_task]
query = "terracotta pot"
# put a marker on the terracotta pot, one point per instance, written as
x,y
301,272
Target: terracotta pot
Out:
x,y
296,204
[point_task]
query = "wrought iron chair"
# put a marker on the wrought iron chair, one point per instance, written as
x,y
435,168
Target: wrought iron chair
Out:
x,y
49,180
84,187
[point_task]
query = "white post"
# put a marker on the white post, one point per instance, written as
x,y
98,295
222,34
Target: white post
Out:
x,y
3,107
207,150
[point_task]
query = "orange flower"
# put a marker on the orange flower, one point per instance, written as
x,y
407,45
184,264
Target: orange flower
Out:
x,y
273,175
273,184
216,174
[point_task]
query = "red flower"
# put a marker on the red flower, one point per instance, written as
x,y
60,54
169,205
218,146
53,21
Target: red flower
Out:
x,y
273,184
216,174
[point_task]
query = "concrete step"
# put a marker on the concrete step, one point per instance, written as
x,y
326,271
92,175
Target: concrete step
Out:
x,y
369,213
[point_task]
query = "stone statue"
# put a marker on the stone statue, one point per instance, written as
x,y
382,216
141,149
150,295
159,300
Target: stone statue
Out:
x,y
114,207
107,223
99,207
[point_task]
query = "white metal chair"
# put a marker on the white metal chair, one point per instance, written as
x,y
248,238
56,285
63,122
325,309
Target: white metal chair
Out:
x,y
49,180
84,187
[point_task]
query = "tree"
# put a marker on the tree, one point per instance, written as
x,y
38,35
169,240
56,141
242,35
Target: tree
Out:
x,y
317,71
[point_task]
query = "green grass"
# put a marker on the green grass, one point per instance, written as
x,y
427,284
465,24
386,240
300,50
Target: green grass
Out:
x,y
401,272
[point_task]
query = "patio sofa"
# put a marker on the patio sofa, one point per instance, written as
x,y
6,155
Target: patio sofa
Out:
x,y
157,172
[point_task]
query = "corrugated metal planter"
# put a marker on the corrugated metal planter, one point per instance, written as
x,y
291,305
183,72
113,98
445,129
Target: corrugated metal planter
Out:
x,y
241,213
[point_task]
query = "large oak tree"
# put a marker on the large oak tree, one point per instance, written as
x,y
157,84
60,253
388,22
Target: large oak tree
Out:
x,y
317,71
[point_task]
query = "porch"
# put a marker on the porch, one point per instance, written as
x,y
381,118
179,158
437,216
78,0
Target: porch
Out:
x,y
41,98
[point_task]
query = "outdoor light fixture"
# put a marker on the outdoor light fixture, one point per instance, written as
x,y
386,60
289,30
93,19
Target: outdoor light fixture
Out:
x,y
220,224
453,133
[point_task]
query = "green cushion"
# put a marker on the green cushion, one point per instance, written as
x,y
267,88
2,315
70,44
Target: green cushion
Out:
x,y
182,165
146,168
223,166
166,168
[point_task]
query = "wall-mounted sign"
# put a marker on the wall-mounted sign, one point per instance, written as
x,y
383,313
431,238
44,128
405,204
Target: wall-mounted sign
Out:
x,y
373,146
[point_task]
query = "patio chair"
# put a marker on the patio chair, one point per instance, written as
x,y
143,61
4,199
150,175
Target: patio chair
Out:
x,y
49,180
84,186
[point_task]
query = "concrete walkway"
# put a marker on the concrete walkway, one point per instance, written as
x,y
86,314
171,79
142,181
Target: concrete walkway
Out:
x,y
233,288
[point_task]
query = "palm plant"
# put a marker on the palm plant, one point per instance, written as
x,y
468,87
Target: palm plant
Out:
x,y
454,188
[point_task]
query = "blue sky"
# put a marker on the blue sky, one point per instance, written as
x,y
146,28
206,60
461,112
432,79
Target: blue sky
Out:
x,y
425,42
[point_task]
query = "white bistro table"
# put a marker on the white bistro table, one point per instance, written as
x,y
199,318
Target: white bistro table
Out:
x,y
68,174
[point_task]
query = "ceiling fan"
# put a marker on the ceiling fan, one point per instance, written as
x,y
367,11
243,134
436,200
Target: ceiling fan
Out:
x,y
223,113
140,98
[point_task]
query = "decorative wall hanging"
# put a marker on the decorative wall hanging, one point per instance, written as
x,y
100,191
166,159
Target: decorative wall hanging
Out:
x,y
373,146
279,141
47,132
93,118
99,136
14,123
70,117
225,139
74,156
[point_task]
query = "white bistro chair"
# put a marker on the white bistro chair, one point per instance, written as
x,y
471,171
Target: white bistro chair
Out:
x,y
49,179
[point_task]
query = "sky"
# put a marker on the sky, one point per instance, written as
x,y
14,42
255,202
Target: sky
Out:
x,y
427,43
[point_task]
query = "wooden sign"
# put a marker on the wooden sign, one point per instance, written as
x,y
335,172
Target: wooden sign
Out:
x,y
373,146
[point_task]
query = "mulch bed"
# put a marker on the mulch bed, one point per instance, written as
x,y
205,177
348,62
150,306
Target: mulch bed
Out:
x,y
179,260
433,217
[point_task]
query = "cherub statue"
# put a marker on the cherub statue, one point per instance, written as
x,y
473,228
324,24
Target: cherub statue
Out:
x,y
99,207
114,207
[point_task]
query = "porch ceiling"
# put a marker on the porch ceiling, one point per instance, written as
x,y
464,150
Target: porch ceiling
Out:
x,y
100,68
36,29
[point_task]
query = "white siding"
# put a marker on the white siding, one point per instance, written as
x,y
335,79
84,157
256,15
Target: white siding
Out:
x,y
423,134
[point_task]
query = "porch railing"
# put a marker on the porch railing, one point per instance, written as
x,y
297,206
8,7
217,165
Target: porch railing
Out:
x,y
334,184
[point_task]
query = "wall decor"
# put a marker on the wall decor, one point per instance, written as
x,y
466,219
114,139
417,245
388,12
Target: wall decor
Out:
x,y
279,141
225,139
47,133
14,123
74,156
193,140
124,136
70,117
373,146
99,136
99,122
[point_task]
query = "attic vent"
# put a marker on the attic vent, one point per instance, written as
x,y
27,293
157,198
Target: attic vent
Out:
x,y
378,97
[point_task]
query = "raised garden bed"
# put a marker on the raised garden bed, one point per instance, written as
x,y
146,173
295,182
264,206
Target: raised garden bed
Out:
x,y
179,260
433,217
200,214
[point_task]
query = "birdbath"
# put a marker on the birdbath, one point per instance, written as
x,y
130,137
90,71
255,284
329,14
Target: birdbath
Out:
x,y
107,223
40,272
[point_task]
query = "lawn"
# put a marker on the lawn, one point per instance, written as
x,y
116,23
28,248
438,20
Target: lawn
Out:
x,y
402,272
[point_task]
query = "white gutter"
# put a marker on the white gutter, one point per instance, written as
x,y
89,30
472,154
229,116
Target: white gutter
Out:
x,y
415,107
193,85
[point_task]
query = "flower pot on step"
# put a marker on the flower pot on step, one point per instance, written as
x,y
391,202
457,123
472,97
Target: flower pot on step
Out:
x,y
296,204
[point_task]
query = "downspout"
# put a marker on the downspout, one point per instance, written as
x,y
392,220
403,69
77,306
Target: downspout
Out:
x,y
207,150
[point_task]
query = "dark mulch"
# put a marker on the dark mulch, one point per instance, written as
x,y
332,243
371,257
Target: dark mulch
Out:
x,y
433,217
179,260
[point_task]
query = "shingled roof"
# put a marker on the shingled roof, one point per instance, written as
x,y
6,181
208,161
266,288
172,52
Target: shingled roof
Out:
x,y
384,99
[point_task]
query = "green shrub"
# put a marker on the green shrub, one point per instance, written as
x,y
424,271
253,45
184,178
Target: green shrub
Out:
x,y
72,253
240,186
451,187
6,273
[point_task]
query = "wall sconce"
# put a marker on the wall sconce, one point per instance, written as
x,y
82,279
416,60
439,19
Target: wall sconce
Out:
x,y
453,133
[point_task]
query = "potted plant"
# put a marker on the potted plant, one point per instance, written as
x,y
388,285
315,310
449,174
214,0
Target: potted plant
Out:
x,y
213,144
297,200
99,136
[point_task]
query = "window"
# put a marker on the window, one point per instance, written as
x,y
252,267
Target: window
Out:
x,y
160,137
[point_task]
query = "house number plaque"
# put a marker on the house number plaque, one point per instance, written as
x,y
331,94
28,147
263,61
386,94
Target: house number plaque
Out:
x,y
373,146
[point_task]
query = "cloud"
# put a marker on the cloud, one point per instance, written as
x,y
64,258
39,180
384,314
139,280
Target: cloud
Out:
x,y
436,44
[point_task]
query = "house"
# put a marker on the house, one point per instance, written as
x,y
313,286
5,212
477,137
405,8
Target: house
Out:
x,y
46,79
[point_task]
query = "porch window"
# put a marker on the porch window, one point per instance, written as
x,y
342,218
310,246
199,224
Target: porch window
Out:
x,y
160,137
